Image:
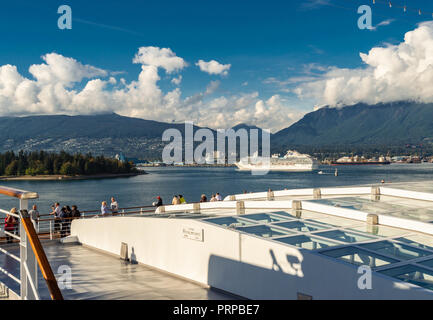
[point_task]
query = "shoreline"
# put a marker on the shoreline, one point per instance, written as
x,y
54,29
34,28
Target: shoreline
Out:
x,y
59,177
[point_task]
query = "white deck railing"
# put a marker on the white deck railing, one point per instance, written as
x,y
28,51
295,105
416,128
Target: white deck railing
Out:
x,y
28,280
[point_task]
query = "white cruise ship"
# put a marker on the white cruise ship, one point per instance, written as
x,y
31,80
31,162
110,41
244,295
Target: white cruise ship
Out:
x,y
292,161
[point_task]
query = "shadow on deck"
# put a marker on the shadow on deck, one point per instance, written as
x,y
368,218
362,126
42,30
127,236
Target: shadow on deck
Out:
x,y
98,276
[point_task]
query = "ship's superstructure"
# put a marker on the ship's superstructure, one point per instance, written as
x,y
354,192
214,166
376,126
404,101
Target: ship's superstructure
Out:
x,y
292,161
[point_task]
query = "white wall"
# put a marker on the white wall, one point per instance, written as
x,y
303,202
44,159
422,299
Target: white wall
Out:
x,y
240,264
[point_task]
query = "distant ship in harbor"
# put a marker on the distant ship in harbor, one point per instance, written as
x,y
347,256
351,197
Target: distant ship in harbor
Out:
x,y
360,161
293,161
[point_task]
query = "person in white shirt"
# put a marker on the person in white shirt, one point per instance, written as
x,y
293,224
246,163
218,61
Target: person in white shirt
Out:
x,y
57,210
218,197
114,206
34,215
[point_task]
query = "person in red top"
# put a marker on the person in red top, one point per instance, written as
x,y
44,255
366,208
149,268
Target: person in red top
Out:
x,y
10,224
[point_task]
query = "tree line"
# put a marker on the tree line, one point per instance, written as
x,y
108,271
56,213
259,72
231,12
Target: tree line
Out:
x,y
47,163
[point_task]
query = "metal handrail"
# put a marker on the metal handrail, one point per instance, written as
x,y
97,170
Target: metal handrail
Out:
x,y
91,211
12,235
99,215
10,254
38,250
17,193
28,267
82,213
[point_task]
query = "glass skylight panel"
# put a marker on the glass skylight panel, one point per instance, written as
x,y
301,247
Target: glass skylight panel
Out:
x,y
406,202
337,221
396,250
378,230
307,242
347,203
305,214
419,214
418,240
303,226
406,208
345,236
264,217
427,263
264,231
229,222
359,256
412,274
283,213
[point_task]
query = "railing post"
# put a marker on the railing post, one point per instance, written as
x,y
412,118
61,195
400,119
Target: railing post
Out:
x,y
51,230
240,207
28,265
35,244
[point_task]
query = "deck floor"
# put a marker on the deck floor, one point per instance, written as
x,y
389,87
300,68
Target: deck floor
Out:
x,y
98,276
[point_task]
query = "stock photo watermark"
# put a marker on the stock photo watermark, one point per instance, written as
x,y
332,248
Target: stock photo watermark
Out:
x,y
226,151
365,280
365,21
64,279
65,20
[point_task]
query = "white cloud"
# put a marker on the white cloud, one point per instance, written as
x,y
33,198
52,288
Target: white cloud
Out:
x,y
314,4
214,67
59,69
392,73
159,57
177,81
63,85
382,24
213,86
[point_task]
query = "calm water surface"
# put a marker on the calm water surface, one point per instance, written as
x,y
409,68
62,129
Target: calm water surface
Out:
x,y
192,182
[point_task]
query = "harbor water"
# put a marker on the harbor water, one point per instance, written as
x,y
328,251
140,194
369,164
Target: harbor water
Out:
x,y
192,182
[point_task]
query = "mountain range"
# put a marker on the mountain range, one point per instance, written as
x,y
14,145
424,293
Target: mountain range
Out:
x,y
390,124
361,124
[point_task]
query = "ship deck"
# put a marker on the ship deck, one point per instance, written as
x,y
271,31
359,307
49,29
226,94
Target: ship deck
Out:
x,y
99,276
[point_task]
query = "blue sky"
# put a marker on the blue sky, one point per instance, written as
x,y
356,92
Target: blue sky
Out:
x,y
268,44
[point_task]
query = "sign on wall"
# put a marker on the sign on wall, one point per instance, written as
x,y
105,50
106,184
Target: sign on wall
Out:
x,y
191,233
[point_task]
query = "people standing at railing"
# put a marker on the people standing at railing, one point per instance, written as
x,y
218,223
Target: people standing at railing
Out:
x,y
218,197
68,220
75,214
57,210
34,216
213,198
64,215
10,222
182,199
203,198
104,209
114,206
158,203
175,200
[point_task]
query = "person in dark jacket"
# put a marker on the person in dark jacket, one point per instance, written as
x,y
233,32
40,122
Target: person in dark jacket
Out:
x,y
64,216
75,213
158,203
